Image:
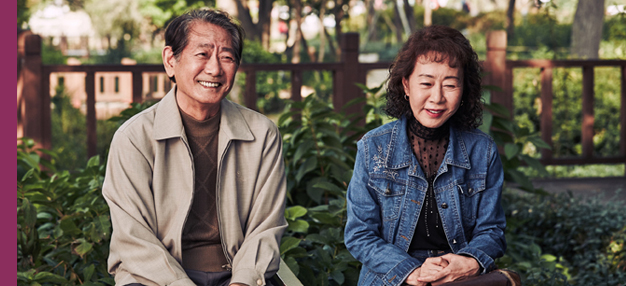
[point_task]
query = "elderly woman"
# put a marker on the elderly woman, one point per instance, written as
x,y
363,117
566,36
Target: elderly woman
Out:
x,y
424,199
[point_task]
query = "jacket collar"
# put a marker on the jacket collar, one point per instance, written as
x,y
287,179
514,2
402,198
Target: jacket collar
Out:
x,y
168,123
399,153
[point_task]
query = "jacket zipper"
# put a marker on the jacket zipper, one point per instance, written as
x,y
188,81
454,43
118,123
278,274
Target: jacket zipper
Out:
x,y
217,202
193,192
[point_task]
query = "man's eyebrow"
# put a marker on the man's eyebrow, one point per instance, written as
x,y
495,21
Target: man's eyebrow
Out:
x,y
205,45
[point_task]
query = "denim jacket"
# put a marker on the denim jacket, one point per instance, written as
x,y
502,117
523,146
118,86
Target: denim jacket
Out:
x,y
387,191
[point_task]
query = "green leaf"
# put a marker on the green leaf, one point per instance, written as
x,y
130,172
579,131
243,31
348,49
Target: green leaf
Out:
x,y
498,109
521,179
30,213
47,277
80,247
511,150
539,142
548,258
535,164
487,119
293,265
308,166
26,275
302,149
295,212
317,238
299,225
337,276
88,272
68,226
326,185
288,243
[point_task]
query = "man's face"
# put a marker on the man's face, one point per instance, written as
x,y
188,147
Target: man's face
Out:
x,y
204,70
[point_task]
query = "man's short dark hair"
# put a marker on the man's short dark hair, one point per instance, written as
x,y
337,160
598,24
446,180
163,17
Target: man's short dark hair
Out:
x,y
438,44
177,32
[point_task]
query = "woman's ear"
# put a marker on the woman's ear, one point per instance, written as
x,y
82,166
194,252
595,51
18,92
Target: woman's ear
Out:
x,y
405,84
169,61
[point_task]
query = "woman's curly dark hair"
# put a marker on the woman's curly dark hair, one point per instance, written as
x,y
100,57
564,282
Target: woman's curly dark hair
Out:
x,y
438,44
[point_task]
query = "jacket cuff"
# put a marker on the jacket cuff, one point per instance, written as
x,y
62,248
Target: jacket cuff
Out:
x,y
398,274
486,262
248,276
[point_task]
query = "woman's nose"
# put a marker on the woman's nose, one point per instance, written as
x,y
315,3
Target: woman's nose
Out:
x,y
436,94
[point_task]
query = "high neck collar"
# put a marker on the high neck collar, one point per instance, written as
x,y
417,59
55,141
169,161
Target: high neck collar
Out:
x,y
424,132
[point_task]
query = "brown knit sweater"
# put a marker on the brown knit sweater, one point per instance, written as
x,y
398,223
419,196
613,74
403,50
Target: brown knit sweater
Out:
x,y
201,244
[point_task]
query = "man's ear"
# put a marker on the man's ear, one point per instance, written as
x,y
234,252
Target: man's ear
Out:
x,y
169,61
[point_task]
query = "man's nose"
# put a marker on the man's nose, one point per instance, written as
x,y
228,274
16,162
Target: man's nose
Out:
x,y
213,66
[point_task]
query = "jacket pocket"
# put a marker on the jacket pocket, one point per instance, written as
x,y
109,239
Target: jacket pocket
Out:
x,y
390,194
470,194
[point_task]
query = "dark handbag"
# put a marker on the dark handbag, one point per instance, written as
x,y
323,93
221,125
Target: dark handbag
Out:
x,y
498,277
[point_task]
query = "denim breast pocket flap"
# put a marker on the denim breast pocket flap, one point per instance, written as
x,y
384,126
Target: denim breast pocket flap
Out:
x,y
389,194
472,186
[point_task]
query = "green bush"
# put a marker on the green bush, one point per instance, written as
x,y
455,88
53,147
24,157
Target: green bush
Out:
x,y
565,240
319,148
69,133
63,223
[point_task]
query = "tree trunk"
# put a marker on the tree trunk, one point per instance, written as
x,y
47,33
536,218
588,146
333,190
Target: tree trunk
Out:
x,y
372,16
245,18
297,5
410,16
510,20
339,14
397,22
587,29
265,20
322,34
428,13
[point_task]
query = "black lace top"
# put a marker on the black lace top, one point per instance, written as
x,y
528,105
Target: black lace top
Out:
x,y
429,147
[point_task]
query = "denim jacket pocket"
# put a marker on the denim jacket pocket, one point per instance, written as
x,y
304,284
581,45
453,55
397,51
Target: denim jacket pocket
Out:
x,y
470,192
389,194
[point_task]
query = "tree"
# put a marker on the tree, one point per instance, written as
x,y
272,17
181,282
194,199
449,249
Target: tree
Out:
x,y
259,31
587,29
510,21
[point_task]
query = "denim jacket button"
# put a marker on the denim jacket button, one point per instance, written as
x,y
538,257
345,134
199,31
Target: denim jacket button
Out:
x,y
444,205
387,192
470,190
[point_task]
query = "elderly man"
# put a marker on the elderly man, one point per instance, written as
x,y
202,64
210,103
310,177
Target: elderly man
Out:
x,y
196,183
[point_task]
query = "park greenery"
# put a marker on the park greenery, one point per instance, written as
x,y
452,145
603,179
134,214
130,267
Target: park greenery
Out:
x,y
64,226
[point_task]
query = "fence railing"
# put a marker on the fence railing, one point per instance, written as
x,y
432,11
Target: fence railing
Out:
x,y
587,129
33,98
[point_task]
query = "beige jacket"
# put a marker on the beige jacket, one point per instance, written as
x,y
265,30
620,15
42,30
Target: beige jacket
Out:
x,y
149,187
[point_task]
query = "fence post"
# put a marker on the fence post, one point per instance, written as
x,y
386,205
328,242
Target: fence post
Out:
x,y
495,66
31,100
346,78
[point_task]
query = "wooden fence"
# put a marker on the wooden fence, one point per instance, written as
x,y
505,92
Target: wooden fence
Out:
x,y
33,97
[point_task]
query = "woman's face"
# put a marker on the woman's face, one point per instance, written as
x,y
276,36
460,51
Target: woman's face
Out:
x,y
434,91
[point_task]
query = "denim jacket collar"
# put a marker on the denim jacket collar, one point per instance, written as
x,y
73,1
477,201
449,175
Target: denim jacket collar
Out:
x,y
399,153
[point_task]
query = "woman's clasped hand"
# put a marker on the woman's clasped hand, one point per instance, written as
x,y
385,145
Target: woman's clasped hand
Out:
x,y
443,269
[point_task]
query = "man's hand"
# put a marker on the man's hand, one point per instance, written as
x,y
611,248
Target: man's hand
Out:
x,y
457,267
